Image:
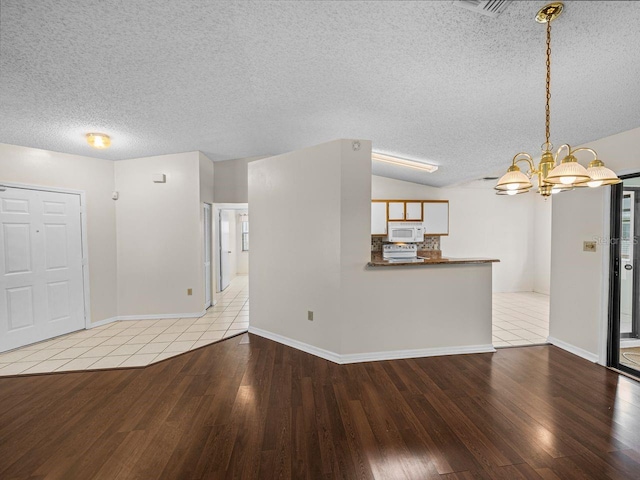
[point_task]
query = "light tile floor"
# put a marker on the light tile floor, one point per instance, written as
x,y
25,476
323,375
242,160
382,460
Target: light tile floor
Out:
x,y
134,343
520,318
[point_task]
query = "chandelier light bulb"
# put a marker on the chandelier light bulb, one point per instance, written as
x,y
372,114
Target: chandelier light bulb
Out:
x,y
513,186
594,184
567,180
512,192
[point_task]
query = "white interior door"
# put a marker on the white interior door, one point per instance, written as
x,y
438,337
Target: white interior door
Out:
x,y
41,278
626,262
207,255
225,249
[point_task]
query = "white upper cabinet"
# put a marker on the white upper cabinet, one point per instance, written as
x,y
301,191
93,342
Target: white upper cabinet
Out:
x,y
378,218
436,218
414,212
396,211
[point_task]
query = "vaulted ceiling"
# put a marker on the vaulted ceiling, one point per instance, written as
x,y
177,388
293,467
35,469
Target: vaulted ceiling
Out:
x,y
422,80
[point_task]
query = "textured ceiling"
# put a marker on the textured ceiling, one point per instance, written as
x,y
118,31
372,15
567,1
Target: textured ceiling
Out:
x,y
423,80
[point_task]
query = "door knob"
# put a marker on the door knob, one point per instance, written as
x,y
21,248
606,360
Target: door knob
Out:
x,y
628,266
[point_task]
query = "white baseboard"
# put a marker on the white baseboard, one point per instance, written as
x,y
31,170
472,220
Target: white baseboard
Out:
x,y
415,353
370,356
100,323
592,357
106,321
629,342
305,347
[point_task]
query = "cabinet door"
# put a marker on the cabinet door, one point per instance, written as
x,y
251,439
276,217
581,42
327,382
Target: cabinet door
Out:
x,y
378,218
414,212
436,218
396,210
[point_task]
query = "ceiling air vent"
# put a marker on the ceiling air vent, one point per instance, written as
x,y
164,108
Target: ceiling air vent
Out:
x,y
490,8
490,179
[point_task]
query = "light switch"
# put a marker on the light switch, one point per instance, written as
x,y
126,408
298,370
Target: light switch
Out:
x,y
589,246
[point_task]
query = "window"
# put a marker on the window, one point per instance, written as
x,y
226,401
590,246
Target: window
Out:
x,y
245,236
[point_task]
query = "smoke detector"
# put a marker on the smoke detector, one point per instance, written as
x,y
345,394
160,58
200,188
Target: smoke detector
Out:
x,y
489,8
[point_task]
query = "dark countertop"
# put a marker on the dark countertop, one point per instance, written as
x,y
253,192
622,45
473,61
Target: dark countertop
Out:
x,y
378,262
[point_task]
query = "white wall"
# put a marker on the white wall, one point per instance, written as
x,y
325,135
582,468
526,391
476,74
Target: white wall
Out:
x,y
93,176
231,184
159,236
481,224
242,258
579,280
542,244
360,313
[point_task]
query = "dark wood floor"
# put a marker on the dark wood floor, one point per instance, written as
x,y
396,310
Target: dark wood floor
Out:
x,y
260,410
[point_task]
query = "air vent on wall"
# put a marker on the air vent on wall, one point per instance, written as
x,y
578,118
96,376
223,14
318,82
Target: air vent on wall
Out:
x,y
490,8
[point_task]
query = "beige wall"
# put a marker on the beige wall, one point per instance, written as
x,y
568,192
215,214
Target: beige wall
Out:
x,y
231,184
292,193
159,236
579,280
481,224
96,178
542,244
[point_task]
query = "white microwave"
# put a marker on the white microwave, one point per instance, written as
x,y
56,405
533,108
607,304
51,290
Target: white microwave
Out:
x,y
406,232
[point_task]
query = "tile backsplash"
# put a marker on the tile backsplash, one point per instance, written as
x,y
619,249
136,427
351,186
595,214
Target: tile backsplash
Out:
x,y
430,243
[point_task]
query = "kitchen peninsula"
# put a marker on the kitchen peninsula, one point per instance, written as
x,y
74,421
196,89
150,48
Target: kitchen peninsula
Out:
x,y
330,303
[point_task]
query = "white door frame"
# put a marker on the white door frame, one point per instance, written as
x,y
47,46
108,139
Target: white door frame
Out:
x,y
217,207
83,228
208,233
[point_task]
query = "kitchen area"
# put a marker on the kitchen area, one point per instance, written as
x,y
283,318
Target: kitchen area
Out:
x,y
408,232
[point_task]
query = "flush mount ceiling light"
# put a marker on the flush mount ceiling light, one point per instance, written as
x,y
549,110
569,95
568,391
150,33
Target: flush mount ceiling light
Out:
x,y
402,162
98,140
554,177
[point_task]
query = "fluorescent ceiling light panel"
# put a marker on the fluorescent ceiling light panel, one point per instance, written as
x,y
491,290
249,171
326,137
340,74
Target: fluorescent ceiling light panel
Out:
x,y
402,162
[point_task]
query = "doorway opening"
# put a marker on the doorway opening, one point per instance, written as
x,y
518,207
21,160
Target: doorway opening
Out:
x,y
232,243
624,279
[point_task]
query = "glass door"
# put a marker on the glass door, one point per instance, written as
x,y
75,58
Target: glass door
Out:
x,y
624,304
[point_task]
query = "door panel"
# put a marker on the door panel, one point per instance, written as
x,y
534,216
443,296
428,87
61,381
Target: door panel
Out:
x,y
19,307
17,252
41,276
378,218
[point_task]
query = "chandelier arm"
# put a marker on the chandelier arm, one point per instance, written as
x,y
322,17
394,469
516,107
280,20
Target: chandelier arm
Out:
x,y
586,149
526,158
555,157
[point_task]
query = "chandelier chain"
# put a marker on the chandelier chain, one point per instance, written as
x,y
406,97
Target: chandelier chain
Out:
x,y
548,83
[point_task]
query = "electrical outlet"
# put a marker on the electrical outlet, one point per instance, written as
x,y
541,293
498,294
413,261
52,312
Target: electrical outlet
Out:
x,y
189,291
589,246
310,316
